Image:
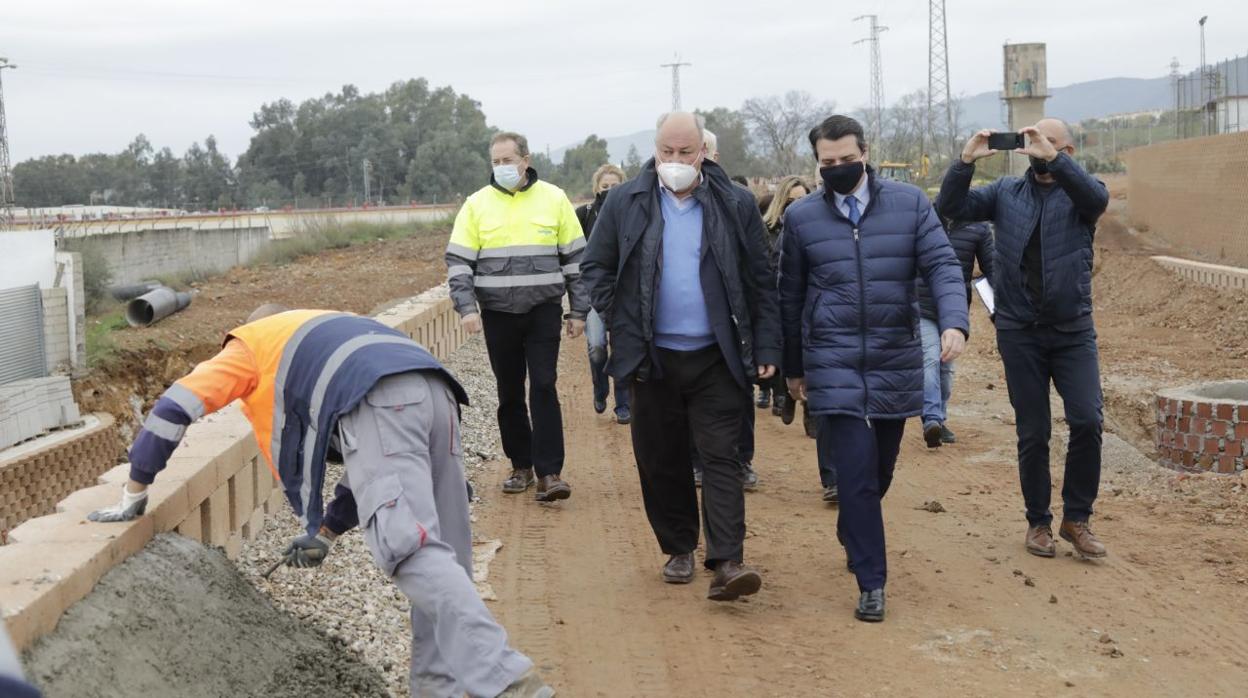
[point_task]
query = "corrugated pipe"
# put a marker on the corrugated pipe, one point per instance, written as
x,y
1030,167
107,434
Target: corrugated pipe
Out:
x,y
155,305
132,291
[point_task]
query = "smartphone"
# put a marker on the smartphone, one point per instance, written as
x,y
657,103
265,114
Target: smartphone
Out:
x,y
1005,141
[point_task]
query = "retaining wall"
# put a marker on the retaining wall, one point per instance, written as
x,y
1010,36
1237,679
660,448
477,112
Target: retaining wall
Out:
x,y
31,484
136,256
1215,275
216,489
1194,194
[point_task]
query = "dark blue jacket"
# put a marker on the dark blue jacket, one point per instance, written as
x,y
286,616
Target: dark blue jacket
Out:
x,y
1066,215
622,264
848,299
971,241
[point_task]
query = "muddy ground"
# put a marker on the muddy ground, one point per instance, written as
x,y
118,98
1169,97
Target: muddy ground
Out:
x,y
178,619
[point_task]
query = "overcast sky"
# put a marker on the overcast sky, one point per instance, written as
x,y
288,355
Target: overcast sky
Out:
x,y
93,74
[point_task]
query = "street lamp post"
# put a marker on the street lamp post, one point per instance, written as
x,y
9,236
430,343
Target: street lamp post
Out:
x,y
1204,82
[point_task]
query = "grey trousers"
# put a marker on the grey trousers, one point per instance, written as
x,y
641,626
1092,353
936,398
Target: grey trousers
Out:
x,y
405,466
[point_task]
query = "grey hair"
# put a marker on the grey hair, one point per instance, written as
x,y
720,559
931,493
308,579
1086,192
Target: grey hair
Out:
x,y
697,118
711,141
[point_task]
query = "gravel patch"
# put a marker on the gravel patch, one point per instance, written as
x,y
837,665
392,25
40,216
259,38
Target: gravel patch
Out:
x,y
348,598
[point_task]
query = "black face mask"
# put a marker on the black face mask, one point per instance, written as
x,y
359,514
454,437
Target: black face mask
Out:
x,y
842,179
600,197
1039,166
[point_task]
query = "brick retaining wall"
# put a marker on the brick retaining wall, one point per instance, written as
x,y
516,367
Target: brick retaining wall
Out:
x,y
1201,433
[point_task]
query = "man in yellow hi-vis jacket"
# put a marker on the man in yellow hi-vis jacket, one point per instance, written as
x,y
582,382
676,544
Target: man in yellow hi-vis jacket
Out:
x,y
515,250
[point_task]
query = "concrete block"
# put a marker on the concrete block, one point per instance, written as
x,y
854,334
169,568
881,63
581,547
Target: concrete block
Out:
x,y
234,545
217,517
117,475
87,500
192,526
168,503
244,494
254,525
265,482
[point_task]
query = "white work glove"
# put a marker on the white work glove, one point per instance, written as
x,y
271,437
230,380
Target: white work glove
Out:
x,y
130,507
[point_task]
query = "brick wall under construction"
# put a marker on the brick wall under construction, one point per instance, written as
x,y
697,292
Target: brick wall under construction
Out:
x,y
32,484
1194,194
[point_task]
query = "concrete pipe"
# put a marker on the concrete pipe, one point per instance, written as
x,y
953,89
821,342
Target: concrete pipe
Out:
x,y
131,291
155,306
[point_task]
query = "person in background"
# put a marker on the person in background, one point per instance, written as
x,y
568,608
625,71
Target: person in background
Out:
x,y
788,190
604,179
971,242
849,309
1042,284
677,268
514,252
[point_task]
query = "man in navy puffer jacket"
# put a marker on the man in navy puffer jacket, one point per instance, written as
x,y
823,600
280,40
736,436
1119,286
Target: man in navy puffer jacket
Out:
x,y
851,328
1042,283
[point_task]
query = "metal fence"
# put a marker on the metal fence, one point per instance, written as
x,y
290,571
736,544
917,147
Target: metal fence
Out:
x,y
1212,99
21,341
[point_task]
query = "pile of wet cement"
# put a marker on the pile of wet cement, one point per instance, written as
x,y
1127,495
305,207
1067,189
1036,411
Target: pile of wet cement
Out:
x,y
177,619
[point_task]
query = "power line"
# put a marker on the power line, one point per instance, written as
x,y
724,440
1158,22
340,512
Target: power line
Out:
x,y
6,173
939,92
675,65
877,76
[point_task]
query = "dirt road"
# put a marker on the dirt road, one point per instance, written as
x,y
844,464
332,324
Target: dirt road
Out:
x,y
970,613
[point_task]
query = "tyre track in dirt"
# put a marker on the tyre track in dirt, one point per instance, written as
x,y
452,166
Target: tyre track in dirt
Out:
x,y
969,610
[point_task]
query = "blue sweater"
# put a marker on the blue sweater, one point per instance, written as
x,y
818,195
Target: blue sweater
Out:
x,y
681,320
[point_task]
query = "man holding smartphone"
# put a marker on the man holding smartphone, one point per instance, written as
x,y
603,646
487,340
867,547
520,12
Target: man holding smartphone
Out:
x,y
1042,281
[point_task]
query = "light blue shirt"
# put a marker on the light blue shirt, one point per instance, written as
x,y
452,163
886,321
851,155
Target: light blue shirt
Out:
x,y
862,194
681,320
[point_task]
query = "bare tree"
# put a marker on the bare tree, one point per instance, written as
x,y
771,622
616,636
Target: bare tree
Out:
x,y
779,126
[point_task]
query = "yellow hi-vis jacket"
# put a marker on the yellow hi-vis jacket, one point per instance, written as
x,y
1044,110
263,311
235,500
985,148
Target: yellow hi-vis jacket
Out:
x,y
512,251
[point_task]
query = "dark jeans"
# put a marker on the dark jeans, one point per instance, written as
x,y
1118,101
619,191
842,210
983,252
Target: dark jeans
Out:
x,y
864,458
521,343
696,399
1033,357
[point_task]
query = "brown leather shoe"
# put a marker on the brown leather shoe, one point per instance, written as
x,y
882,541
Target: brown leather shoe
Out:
x,y
520,480
1040,541
733,580
550,488
679,569
1079,535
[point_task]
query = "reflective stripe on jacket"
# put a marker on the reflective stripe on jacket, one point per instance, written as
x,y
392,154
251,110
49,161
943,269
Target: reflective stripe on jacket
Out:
x,y
511,251
295,373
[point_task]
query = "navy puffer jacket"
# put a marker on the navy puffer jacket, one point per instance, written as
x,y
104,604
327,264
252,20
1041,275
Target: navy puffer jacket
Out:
x,y
848,299
1065,214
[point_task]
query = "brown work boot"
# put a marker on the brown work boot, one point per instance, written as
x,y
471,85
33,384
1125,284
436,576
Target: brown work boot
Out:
x,y
733,580
1079,535
528,686
520,480
679,569
1040,541
551,488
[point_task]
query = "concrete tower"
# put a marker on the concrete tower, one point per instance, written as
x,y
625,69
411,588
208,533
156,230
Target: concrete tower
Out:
x,y
1025,88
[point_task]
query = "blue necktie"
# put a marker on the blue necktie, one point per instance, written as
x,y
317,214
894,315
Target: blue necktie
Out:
x,y
852,203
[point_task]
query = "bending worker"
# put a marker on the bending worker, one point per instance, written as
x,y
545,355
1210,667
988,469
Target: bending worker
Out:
x,y
308,376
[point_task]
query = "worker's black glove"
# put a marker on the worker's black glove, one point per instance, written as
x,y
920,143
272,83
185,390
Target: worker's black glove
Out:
x,y
308,551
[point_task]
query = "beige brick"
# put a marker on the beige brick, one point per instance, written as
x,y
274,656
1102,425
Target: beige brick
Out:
x,y
244,494
254,525
192,526
234,545
217,517
168,503
116,475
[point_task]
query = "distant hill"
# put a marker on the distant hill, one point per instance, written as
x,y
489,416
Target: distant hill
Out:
x,y
617,147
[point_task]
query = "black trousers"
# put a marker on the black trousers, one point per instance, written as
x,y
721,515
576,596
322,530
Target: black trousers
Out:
x,y
696,398
520,344
863,459
1033,357
745,439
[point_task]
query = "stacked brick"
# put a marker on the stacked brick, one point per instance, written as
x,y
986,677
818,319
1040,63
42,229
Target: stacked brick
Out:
x,y
1201,434
33,483
33,406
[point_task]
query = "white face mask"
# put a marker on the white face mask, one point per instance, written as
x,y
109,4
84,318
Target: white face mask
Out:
x,y
507,176
676,176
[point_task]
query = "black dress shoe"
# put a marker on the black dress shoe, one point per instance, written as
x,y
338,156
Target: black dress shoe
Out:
x,y
521,479
733,580
623,415
870,606
831,495
749,478
931,434
764,398
679,569
946,436
600,406
788,409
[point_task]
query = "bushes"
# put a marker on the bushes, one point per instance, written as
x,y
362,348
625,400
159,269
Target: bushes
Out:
x,y
96,274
